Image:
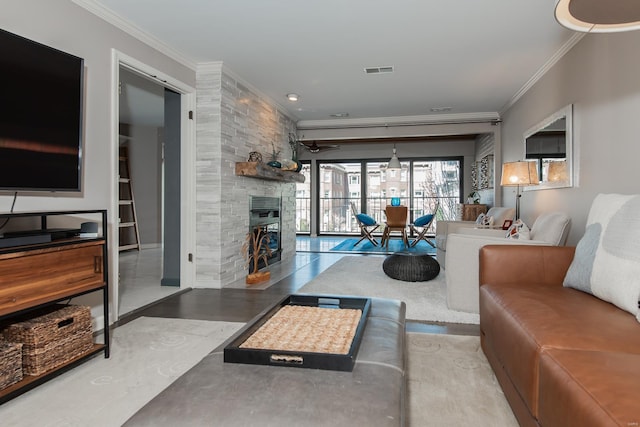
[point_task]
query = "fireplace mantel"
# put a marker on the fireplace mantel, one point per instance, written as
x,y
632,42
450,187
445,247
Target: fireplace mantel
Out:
x,y
263,171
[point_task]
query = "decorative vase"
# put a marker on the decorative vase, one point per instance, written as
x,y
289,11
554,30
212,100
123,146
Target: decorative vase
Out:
x,y
395,201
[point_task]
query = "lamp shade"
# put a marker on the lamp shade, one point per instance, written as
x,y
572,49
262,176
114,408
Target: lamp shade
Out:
x,y
589,16
519,173
394,162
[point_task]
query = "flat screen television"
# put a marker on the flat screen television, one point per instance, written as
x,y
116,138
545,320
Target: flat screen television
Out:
x,y
41,109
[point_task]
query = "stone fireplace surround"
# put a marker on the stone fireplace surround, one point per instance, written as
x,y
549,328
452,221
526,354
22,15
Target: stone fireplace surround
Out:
x,y
233,119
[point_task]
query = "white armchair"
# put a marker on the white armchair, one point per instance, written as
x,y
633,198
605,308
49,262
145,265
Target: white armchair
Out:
x,y
463,250
444,228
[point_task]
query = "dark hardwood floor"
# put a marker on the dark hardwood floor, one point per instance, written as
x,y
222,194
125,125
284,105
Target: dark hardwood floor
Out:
x,y
242,305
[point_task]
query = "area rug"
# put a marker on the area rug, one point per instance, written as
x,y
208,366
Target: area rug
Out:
x,y
147,355
363,276
395,245
450,383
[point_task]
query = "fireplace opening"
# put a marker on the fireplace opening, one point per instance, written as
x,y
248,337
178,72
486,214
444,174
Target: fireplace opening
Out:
x,y
264,213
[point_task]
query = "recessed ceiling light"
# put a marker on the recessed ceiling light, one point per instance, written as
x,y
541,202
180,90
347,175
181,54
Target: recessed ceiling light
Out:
x,y
292,97
440,109
340,115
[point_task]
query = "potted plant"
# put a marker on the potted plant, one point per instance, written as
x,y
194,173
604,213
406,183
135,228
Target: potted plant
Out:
x,y
256,248
274,157
473,197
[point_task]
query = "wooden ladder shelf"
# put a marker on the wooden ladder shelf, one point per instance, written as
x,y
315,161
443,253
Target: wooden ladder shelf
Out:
x,y
129,237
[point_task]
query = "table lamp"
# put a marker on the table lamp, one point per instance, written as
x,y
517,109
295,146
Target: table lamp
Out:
x,y
516,174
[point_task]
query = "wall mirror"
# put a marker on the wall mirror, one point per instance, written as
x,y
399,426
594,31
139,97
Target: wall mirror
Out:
x,y
550,144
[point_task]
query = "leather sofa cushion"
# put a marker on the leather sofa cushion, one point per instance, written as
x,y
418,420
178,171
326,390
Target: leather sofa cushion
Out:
x,y
589,389
525,321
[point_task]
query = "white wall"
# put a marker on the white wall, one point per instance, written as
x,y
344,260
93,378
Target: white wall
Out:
x,y
64,25
601,77
146,180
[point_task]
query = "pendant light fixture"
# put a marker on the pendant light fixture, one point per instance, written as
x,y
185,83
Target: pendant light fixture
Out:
x,y
394,162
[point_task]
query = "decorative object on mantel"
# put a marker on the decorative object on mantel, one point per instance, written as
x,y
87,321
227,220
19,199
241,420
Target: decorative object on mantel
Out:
x,y
274,157
293,143
254,156
262,171
289,165
256,248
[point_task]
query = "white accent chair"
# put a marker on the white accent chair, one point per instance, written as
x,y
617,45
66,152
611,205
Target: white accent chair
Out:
x,y
463,248
444,228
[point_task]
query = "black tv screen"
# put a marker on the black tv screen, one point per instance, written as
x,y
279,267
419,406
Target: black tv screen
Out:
x,y
40,116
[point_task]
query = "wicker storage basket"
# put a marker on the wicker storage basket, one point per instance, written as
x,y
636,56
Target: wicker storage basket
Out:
x,y
52,339
10,363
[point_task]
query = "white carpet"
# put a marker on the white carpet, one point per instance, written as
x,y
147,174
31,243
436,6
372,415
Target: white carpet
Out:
x,y
450,383
363,276
147,355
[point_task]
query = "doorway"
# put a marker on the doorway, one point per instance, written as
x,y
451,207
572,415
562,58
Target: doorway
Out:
x,y
155,130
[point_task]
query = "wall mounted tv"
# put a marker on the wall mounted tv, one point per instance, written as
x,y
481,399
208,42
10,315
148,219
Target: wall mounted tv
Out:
x,y
41,109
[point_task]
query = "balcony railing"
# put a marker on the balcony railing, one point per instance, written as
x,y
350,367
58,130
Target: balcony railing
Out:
x,y
336,216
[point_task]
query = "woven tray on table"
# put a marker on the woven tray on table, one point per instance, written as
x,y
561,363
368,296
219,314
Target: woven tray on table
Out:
x,y
10,363
52,339
307,329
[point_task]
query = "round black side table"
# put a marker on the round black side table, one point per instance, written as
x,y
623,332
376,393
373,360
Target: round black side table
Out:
x,y
411,267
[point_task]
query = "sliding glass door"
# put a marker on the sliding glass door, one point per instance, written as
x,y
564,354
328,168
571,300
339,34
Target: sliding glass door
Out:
x,y
421,184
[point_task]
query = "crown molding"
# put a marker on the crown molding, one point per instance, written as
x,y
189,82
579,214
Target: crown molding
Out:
x,y
569,44
128,27
401,121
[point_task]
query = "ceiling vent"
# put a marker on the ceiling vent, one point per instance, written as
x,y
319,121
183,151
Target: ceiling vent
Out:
x,y
379,70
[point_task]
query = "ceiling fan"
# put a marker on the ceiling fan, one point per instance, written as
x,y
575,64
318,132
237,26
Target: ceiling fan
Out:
x,y
313,147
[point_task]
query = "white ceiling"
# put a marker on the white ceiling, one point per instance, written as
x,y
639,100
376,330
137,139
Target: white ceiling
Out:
x,y
472,56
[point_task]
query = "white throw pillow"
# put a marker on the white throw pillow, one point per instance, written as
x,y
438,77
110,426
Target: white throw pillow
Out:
x,y
518,231
484,220
607,259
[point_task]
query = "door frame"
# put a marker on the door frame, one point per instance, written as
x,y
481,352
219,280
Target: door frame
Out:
x,y
187,172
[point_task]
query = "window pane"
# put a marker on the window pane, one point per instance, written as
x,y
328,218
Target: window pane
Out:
x,y
436,182
340,187
420,185
303,201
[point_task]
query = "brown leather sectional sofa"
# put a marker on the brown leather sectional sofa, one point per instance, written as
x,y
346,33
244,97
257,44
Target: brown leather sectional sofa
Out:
x,y
563,357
